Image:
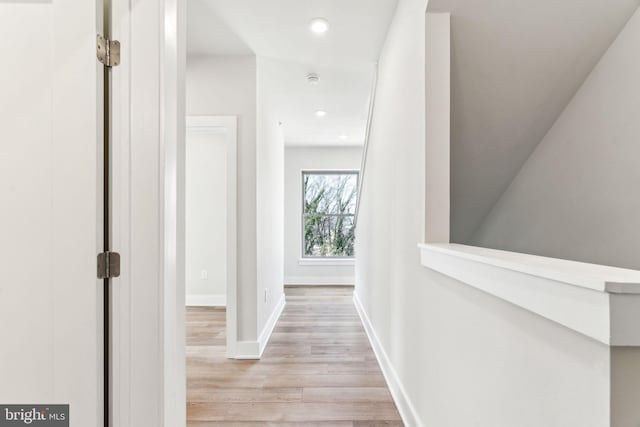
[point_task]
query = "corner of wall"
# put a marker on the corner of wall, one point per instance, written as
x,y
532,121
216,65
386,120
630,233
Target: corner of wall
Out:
x,y
252,350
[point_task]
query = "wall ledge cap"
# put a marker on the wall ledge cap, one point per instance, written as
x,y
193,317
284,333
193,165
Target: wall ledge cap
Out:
x,y
599,301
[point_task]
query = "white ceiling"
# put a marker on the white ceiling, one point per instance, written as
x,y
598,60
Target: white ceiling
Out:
x,y
279,30
515,66
344,94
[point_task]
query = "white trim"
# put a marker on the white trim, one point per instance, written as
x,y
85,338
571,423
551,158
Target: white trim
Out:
x,y
591,276
229,125
367,139
598,301
319,280
207,125
407,411
334,144
148,221
123,328
247,350
253,350
206,300
327,261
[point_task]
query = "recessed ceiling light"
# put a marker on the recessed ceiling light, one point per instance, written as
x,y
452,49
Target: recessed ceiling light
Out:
x,y
319,25
321,113
343,137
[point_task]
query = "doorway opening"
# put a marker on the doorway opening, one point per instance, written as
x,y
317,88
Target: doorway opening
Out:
x,y
210,224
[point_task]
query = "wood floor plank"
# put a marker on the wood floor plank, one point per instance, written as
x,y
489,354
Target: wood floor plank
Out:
x,y
370,423
296,411
244,395
276,424
317,370
346,394
206,368
341,380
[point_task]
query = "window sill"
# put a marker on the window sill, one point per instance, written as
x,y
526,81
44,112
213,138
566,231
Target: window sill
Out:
x,y
598,301
327,261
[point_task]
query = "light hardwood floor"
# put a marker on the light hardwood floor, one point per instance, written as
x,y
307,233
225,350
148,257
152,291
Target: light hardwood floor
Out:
x,y
317,370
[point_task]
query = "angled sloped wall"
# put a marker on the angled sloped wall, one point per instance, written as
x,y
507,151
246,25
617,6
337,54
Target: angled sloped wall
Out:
x,y
577,196
515,65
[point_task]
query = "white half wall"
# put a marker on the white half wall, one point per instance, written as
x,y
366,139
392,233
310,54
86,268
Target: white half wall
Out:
x,y
206,217
298,159
455,356
577,196
226,86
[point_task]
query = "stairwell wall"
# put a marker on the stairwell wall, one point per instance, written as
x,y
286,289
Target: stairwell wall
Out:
x,y
577,195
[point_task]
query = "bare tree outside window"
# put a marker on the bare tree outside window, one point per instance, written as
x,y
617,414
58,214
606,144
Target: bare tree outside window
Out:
x,y
329,205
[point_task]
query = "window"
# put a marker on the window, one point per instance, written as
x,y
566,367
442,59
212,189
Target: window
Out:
x,y
328,213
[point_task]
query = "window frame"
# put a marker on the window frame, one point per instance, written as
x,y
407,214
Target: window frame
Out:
x,y
310,258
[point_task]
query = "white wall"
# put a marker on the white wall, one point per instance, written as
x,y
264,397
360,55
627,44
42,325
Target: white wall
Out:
x,y
243,86
227,86
298,159
625,386
206,218
577,195
462,357
270,199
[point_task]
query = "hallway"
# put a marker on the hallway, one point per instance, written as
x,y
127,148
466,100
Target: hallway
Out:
x,y
318,369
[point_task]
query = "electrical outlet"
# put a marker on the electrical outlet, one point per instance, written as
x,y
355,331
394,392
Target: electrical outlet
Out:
x,y
204,274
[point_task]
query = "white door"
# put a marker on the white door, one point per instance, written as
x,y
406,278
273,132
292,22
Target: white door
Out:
x,y
50,340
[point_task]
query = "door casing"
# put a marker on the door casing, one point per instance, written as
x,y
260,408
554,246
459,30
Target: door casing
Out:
x,y
148,98
212,124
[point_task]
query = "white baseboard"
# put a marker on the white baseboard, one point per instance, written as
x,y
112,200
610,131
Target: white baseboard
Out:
x,y
271,324
400,397
254,349
319,280
247,350
206,300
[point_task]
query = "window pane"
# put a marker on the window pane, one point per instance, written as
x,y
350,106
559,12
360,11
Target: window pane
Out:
x,y
328,235
330,193
328,215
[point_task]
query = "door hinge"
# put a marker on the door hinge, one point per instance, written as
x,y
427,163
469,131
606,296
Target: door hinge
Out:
x,y
108,265
108,51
